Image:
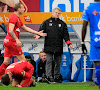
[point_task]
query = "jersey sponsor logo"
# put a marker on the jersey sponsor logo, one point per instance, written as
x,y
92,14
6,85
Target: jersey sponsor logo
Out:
x,y
27,19
64,64
97,39
10,67
6,40
64,58
18,29
95,13
97,33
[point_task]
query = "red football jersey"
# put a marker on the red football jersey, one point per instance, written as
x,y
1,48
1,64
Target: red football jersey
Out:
x,y
17,68
14,19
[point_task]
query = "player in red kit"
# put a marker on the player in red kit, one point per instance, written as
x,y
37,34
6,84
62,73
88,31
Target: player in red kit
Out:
x,y
12,43
21,72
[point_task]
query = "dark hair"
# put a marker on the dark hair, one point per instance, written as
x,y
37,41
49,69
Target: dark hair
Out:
x,y
5,79
28,57
17,5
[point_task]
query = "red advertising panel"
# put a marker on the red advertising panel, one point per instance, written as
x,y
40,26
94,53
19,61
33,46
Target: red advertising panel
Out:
x,y
30,5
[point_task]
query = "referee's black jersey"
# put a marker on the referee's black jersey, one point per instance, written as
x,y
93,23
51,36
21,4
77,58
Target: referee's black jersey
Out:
x,y
56,31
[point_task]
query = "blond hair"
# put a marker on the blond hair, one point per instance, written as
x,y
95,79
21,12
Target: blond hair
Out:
x,y
57,9
41,52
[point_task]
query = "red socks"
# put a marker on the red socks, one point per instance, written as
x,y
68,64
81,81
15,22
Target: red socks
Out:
x,y
2,69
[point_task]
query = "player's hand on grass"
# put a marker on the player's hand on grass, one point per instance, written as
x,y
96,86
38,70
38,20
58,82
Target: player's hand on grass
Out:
x,y
18,85
18,43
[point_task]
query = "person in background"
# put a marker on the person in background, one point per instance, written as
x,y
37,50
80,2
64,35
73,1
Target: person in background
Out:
x,y
12,43
1,58
41,66
92,15
28,59
56,31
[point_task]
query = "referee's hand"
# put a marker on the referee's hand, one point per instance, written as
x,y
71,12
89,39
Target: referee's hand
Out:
x,y
84,50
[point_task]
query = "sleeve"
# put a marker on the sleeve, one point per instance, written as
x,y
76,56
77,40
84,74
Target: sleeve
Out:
x,y
27,74
43,26
66,35
30,68
13,19
27,78
34,64
39,69
85,15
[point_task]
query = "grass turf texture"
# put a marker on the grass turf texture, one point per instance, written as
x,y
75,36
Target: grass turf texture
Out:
x,y
56,86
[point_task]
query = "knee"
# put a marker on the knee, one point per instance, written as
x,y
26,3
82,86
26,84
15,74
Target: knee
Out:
x,y
7,62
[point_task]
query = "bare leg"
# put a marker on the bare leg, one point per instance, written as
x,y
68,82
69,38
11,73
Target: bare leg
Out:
x,y
4,65
21,57
7,60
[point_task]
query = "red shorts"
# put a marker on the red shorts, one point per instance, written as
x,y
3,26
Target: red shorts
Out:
x,y
11,49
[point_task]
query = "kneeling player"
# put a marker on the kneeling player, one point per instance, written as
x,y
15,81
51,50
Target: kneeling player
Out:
x,y
21,72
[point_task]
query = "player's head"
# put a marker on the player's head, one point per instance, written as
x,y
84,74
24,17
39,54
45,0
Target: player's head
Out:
x,y
19,7
28,58
56,12
5,79
42,55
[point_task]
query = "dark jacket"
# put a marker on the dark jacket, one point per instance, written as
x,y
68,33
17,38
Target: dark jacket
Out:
x,y
56,32
34,65
1,59
41,68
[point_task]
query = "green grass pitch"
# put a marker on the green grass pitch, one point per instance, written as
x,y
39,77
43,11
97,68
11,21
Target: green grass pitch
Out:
x,y
56,86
